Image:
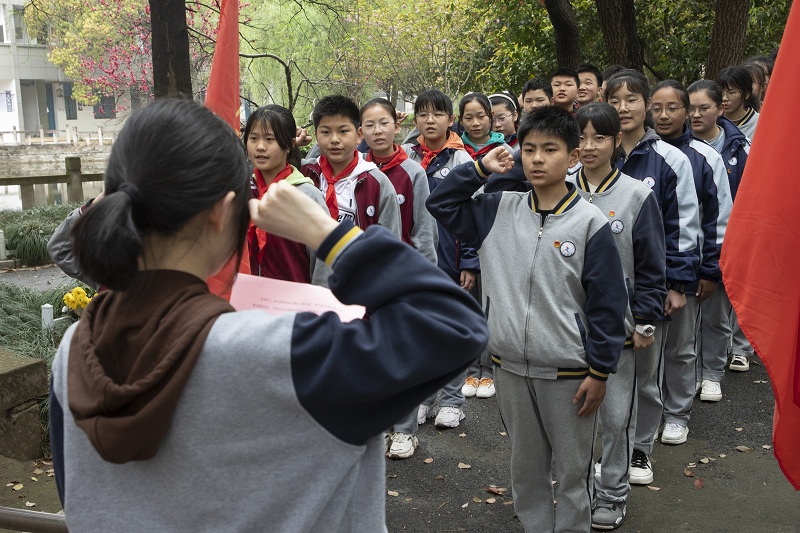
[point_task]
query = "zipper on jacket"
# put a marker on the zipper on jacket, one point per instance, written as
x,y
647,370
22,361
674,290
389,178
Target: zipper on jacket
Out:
x,y
530,289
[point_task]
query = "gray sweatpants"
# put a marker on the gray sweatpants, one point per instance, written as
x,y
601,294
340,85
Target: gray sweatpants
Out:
x,y
715,336
450,395
739,343
617,416
543,425
680,354
649,375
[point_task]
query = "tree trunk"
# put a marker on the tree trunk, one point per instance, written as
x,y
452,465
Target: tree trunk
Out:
x,y
568,37
727,37
618,21
171,70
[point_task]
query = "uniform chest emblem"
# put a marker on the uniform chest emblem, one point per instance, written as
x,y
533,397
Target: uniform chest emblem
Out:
x,y
650,182
612,213
732,161
371,211
567,249
444,172
401,199
617,226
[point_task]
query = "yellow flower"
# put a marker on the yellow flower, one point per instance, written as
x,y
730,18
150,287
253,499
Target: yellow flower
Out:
x,y
77,299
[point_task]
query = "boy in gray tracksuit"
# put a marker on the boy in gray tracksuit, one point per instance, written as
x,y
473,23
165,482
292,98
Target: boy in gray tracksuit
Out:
x,y
555,297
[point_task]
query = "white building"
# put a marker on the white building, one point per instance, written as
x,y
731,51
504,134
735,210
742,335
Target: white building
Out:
x,y
34,93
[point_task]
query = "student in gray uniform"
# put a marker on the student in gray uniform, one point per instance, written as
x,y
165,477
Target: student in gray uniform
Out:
x,y
635,219
164,399
556,341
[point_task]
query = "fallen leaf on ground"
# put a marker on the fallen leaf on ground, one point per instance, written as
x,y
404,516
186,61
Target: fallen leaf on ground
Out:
x,y
688,473
760,381
392,493
738,429
705,460
428,460
38,472
9,484
392,476
18,486
477,500
744,449
439,477
464,466
48,463
698,483
462,435
34,478
409,498
465,505
30,504
503,433
509,502
766,446
491,500
722,456
497,490
651,487
692,465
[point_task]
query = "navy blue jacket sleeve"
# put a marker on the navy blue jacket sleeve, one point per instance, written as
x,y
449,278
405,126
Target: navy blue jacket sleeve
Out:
x,y
56,419
606,303
710,211
513,180
358,378
470,219
649,263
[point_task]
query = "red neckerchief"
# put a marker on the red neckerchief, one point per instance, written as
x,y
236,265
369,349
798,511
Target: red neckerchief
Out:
x,y
398,156
483,151
261,183
428,155
330,192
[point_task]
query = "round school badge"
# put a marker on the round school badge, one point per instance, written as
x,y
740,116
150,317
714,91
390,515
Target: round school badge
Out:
x,y
650,182
567,249
371,211
444,172
732,161
617,226
401,199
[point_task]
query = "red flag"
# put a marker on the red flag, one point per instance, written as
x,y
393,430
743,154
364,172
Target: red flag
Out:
x,y
761,253
222,98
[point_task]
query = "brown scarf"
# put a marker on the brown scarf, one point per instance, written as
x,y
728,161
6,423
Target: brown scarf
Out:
x,y
131,356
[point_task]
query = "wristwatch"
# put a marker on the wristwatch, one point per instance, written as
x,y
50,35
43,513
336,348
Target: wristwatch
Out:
x,y
676,286
645,330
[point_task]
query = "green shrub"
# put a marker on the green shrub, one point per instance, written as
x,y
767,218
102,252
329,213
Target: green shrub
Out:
x,y
28,231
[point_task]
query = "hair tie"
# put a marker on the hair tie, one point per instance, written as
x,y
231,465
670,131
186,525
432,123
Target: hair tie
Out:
x,y
502,95
131,190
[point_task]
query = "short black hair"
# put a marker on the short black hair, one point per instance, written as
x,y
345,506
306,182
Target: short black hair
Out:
x,y
537,84
603,118
739,78
481,98
336,105
711,88
380,102
506,98
566,73
765,61
552,121
433,99
633,79
588,67
683,94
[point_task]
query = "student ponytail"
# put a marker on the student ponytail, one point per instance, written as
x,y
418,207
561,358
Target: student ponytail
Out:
x,y
173,159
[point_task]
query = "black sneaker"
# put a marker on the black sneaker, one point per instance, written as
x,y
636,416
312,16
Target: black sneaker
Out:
x,y
641,469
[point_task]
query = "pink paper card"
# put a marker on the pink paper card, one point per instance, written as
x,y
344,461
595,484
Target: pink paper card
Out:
x,y
277,297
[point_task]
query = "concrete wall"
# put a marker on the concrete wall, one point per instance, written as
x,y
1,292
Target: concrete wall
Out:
x,y
22,380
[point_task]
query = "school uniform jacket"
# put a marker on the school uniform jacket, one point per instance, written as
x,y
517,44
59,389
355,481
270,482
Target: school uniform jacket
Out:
x,y
714,200
747,124
418,226
668,172
285,259
279,427
452,254
369,188
554,291
635,220
734,153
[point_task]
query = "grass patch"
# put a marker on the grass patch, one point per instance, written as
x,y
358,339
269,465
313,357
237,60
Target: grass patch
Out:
x,y
28,231
21,332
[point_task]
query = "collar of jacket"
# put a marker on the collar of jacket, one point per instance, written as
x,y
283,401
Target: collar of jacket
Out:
x,y
681,141
605,185
732,133
565,204
643,145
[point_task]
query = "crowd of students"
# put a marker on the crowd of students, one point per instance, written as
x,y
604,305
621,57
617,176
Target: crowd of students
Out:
x,y
585,216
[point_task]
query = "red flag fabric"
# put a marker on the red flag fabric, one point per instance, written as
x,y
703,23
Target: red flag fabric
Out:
x,y
222,96
761,252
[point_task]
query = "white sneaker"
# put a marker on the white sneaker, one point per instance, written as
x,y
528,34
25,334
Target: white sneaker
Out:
x,y
739,363
711,391
470,387
449,417
485,388
674,433
597,470
403,446
641,469
423,413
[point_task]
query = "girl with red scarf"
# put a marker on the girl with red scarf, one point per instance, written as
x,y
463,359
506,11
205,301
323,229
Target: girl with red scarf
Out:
x,y
269,138
475,117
